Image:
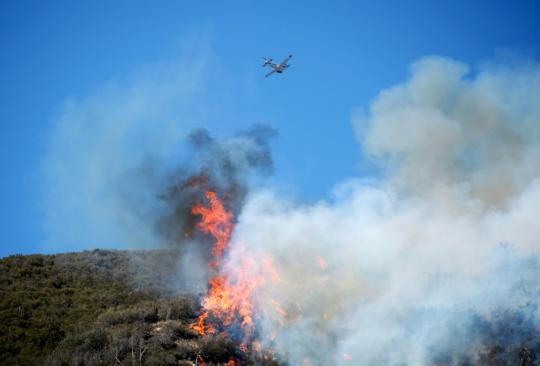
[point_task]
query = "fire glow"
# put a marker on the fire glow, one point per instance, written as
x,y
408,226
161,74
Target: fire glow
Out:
x,y
230,298
216,221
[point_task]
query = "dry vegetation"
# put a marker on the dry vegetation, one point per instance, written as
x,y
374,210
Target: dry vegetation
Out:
x,y
100,308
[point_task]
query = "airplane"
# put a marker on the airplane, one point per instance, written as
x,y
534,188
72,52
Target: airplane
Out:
x,y
279,68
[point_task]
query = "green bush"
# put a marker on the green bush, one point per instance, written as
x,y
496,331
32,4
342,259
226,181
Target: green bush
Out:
x,y
100,307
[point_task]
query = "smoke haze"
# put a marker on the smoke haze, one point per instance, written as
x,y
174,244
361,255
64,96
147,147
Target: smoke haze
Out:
x,y
109,150
118,160
225,166
435,263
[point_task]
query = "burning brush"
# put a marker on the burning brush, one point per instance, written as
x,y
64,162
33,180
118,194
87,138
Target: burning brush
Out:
x,y
229,307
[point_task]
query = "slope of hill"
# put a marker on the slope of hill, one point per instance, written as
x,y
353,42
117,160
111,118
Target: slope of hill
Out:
x,y
100,308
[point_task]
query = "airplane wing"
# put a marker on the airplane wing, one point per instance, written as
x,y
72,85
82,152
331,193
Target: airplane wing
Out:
x,y
270,73
286,60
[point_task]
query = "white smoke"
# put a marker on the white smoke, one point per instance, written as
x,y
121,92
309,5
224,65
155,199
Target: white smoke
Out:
x,y
400,271
451,137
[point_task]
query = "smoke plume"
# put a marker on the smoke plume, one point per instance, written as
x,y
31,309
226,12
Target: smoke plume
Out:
x,y
120,167
435,263
224,166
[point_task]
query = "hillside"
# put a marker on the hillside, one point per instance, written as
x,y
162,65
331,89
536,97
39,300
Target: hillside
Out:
x,y
100,308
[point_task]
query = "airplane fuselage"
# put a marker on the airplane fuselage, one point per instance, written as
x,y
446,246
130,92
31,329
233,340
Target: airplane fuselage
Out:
x,y
279,68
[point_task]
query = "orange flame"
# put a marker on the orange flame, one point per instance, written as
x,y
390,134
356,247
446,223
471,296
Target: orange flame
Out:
x,y
279,309
216,221
323,264
230,297
201,327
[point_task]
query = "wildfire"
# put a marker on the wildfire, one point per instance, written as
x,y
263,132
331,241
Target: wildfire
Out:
x,y
323,264
230,298
201,327
279,309
216,221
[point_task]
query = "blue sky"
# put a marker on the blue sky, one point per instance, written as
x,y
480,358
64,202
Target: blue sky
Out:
x,y
345,53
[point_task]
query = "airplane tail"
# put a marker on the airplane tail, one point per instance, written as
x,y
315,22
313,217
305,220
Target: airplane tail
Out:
x,y
267,61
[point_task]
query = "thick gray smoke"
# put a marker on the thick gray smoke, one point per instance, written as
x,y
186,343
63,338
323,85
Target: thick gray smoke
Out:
x,y
225,166
458,139
438,263
119,164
